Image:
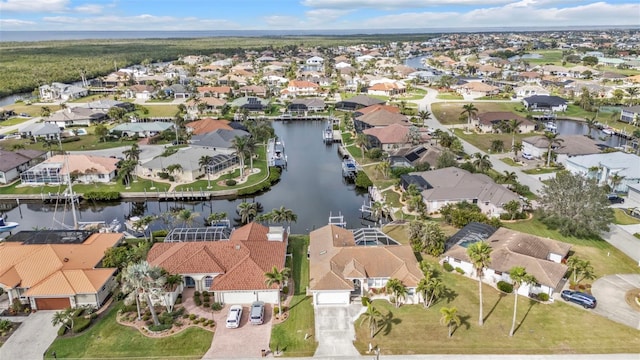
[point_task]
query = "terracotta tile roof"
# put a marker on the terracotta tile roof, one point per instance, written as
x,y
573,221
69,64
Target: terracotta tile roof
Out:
x,y
72,282
82,163
214,89
302,84
208,125
377,107
392,134
382,117
240,262
384,87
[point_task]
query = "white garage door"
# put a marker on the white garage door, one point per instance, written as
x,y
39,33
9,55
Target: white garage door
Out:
x,y
238,297
332,298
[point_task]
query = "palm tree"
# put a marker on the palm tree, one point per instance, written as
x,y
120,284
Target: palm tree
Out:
x,y
140,279
250,149
216,217
361,142
470,110
424,115
371,317
480,255
514,124
552,139
187,217
482,162
519,276
591,124
247,211
383,167
240,144
204,162
516,147
174,168
450,318
397,288
283,215
632,92
509,177
133,153
142,223
64,317
277,277
124,172
615,180
430,288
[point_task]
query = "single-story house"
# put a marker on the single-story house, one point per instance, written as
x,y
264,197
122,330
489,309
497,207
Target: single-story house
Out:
x,y
379,118
545,103
541,257
415,156
386,89
394,136
250,103
344,264
177,91
76,116
189,160
454,185
603,166
82,168
477,89
221,92
50,272
140,92
141,129
571,145
207,125
36,131
13,163
488,121
630,115
530,90
306,105
219,140
357,102
233,269
105,105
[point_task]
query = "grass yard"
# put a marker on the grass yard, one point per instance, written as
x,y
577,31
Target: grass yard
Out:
x,y
108,339
541,170
159,110
289,335
85,142
450,113
140,185
483,141
449,96
548,57
14,121
32,110
622,218
509,161
557,328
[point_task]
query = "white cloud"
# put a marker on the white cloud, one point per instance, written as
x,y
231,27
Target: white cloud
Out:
x,y
15,23
42,6
138,22
89,9
394,4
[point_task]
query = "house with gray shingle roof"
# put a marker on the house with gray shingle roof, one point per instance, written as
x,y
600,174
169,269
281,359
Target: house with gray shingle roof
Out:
x,y
13,163
603,166
219,140
76,116
40,131
189,159
141,129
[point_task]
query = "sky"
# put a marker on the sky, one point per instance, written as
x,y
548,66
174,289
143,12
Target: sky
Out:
x,y
281,15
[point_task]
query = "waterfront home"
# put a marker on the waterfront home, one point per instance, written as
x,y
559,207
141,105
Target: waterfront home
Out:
x,y
141,129
357,102
13,163
530,90
630,115
190,167
250,103
306,105
346,264
603,167
221,92
58,169
177,91
571,145
40,131
207,125
76,116
490,122
218,140
394,136
140,92
59,91
57,269
253,90
386,89
414,156
205,105
541,257
379,117
545,103
297,88
453,185
105,105
232,267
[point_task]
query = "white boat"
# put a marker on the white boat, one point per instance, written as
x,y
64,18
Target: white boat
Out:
x,y
551,126
327,134
7,226
608,131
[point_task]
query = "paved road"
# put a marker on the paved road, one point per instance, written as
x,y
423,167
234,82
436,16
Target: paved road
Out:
x,y
624,241
610,292
477,357
32,338
334,330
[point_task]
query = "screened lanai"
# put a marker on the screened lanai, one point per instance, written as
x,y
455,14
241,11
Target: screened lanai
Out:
x,y
211,233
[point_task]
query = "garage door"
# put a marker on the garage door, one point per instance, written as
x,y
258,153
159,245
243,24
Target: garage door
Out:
x,y
52,303
238,297
332,298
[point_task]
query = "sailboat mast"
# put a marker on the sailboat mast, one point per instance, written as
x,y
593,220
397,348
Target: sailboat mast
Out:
x,y
70,187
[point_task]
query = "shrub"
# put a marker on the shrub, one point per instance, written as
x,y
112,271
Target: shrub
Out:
x,y
80,324
197,301
159,233
101,195
230,182
206,293
275,310
163,175
216,306
363,181
62,330
505,287
365,300
447,267
146,317
285,290
161,327
192,317
196,293
459,270
543,297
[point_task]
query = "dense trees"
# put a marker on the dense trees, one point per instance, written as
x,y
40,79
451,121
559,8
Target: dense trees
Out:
x,y
575,205
427,237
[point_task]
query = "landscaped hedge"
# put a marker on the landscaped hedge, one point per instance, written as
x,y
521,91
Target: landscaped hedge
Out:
x,y
274,176
505,287
101,195
543,297
448,267
80,324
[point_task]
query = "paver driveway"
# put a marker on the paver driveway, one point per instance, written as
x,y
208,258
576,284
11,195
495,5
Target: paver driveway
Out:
x,y
246,341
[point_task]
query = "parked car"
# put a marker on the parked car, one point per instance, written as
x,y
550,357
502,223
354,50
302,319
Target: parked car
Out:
x,y
585,300
615,199
235,314
256,315
527,156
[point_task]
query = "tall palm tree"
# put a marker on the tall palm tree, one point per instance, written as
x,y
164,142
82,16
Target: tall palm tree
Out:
x,y
632,92
187,217
361,142
204,162
519,277
515,148
240,144
514,124
552,139
591,124
283,215
247,211
216,217
277,277
250,149
397,288
142,224
140,279
509,177
383,167
450,318
480,255
470,110
371,317
424,115
482,162
133,153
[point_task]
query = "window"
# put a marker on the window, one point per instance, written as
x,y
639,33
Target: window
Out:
x,y
208,280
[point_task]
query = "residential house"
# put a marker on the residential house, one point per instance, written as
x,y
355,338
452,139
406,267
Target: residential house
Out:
x,y
218,140
222,92
602,167
393,137
39,131
141,129
414,156
306,105
177,91
380,117
571,145
542,258
633,196
189,160
386,89
545,103
489,122
76,116
207,125
297,88
345,264
59,91
58,169
314,63
357,102
105,105
253,90
232,268
454,185
477,89
54,270
205,105
250,103
630,115
13,163
530,90
140,92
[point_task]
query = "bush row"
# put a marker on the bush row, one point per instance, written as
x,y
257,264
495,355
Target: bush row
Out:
x,y
101,195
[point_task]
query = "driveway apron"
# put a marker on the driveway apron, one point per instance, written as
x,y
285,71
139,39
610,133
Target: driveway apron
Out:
x,y
32,338
334,330
610,292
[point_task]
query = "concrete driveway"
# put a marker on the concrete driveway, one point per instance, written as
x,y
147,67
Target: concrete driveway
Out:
x,y
246,341
610,292
334,330
32,338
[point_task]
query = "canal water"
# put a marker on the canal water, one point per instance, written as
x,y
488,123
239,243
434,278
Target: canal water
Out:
x,y
312,186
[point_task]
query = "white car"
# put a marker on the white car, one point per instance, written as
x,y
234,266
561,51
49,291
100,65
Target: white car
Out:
x,y
527,156
235,314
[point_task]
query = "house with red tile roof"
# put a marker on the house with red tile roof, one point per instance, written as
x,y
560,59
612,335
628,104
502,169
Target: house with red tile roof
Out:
x,y
207,125
386,89
221,92
379,118
54,276
394,136
233,269
301,88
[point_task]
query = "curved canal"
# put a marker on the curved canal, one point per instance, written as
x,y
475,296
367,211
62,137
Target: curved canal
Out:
x,y
311,186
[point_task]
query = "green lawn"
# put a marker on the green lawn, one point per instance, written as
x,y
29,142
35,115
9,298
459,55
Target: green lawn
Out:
x,y
140,185
85,142
289,335
159,110
449,96
450,113
108,339
14,121
509,161
622,218
483,141
540,171
32,110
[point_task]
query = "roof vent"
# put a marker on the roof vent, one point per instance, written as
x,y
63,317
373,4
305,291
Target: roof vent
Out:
x,y
65,259
323,252
237,246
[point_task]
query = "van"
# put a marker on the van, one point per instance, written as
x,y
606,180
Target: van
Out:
x,y
256,315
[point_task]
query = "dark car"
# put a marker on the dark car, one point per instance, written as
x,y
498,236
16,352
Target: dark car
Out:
x,y
615,199
585,300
